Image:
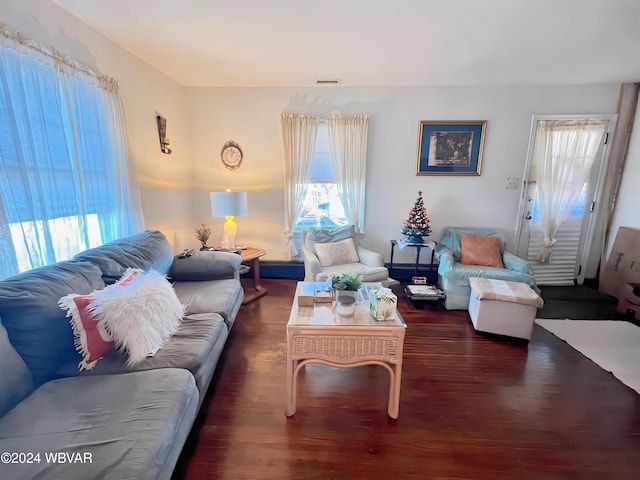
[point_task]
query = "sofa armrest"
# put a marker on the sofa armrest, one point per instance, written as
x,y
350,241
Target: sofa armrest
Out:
x,y
311,265
446,260
203,266
517,264
370,258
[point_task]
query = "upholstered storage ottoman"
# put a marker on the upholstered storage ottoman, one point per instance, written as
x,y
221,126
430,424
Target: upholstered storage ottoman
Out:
x,y
502,307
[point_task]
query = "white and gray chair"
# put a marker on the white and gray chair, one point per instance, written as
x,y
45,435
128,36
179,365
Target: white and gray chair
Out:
x,y
338,250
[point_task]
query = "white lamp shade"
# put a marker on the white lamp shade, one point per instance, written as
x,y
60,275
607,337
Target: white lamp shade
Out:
x,y
228,204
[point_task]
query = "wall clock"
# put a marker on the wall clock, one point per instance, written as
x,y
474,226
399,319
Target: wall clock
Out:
x,y
231,155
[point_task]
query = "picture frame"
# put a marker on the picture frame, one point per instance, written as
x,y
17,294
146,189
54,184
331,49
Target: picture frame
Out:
x,y
450,147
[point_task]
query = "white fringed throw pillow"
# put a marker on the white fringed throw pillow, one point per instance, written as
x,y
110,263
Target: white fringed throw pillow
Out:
x,y
140,315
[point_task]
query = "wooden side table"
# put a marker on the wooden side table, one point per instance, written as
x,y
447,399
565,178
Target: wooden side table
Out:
x,y
252,256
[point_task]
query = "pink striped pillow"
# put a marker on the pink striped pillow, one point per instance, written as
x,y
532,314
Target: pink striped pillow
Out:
x,y
92,339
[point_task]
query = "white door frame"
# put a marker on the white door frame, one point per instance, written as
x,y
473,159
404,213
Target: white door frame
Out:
x,y
585,254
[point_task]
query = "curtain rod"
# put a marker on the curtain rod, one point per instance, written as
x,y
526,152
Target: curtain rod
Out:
x,y
325,119
19,42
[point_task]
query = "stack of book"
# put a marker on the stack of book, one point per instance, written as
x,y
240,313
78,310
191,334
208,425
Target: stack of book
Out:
x,y
310,293
424,292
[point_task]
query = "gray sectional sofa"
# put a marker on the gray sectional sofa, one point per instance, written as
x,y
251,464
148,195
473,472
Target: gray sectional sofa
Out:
x,y
112,422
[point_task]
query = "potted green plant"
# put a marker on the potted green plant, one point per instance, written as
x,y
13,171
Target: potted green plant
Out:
x,y
346,281
345,288
203,233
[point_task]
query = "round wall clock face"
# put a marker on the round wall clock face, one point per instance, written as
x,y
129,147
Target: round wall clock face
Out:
x,y
231,155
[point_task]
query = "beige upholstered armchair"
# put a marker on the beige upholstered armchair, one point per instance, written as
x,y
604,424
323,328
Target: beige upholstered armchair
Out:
x,y
337,250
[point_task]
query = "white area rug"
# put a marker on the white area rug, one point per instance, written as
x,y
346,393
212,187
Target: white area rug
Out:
x,y
614,345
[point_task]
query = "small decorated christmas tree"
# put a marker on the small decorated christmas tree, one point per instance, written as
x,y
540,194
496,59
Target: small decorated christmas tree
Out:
x,y
417,224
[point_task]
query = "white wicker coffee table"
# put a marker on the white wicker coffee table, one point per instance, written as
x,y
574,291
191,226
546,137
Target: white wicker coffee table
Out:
x,y
319,334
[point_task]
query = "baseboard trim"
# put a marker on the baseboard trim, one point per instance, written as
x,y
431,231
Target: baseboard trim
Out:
x,y
295,271
279,269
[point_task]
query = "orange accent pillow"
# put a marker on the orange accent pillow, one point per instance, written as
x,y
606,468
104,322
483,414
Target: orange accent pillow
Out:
x,y
477,250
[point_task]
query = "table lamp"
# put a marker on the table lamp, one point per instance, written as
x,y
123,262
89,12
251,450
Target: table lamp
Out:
x,y
229,205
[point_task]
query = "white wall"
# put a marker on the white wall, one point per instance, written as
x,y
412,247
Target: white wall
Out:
x,y
175,187
165,180
250,116
626,211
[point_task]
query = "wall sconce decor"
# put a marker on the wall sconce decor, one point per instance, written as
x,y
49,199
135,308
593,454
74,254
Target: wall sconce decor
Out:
x,y
229,204
162,133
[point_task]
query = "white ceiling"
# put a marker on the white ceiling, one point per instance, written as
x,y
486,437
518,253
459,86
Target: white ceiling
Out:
x,y
375,42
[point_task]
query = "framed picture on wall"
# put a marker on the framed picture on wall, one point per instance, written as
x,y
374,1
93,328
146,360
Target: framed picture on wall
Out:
x,y
450,147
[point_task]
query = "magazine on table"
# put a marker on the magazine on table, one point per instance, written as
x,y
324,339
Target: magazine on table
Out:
x,y
424,290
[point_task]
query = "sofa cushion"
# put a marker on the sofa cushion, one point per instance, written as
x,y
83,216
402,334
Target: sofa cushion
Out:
x,y
337,253
460,274
15,381
223,297
132,425
479,250
504,291
205,266
369,274
315,235
147,250
196,346
37,328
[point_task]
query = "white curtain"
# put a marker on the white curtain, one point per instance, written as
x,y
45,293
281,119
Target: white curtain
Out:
x,y
299,140
65,180
348,144
564,153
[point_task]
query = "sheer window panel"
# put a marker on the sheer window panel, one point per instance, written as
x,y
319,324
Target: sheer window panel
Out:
x,y
66,184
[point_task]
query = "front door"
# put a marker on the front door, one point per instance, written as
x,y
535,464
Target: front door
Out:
x,y
575,242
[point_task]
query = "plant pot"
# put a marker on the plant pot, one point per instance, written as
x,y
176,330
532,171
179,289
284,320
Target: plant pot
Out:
x,y
345,304
346,293
415,239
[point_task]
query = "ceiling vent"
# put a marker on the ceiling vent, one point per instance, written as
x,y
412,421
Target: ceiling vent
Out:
x,y
328,82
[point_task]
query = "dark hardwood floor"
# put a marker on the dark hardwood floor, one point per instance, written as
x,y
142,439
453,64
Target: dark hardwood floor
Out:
x,y
471,407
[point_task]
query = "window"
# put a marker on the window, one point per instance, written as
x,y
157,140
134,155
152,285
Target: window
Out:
x,y
315,193
64,178
322,206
